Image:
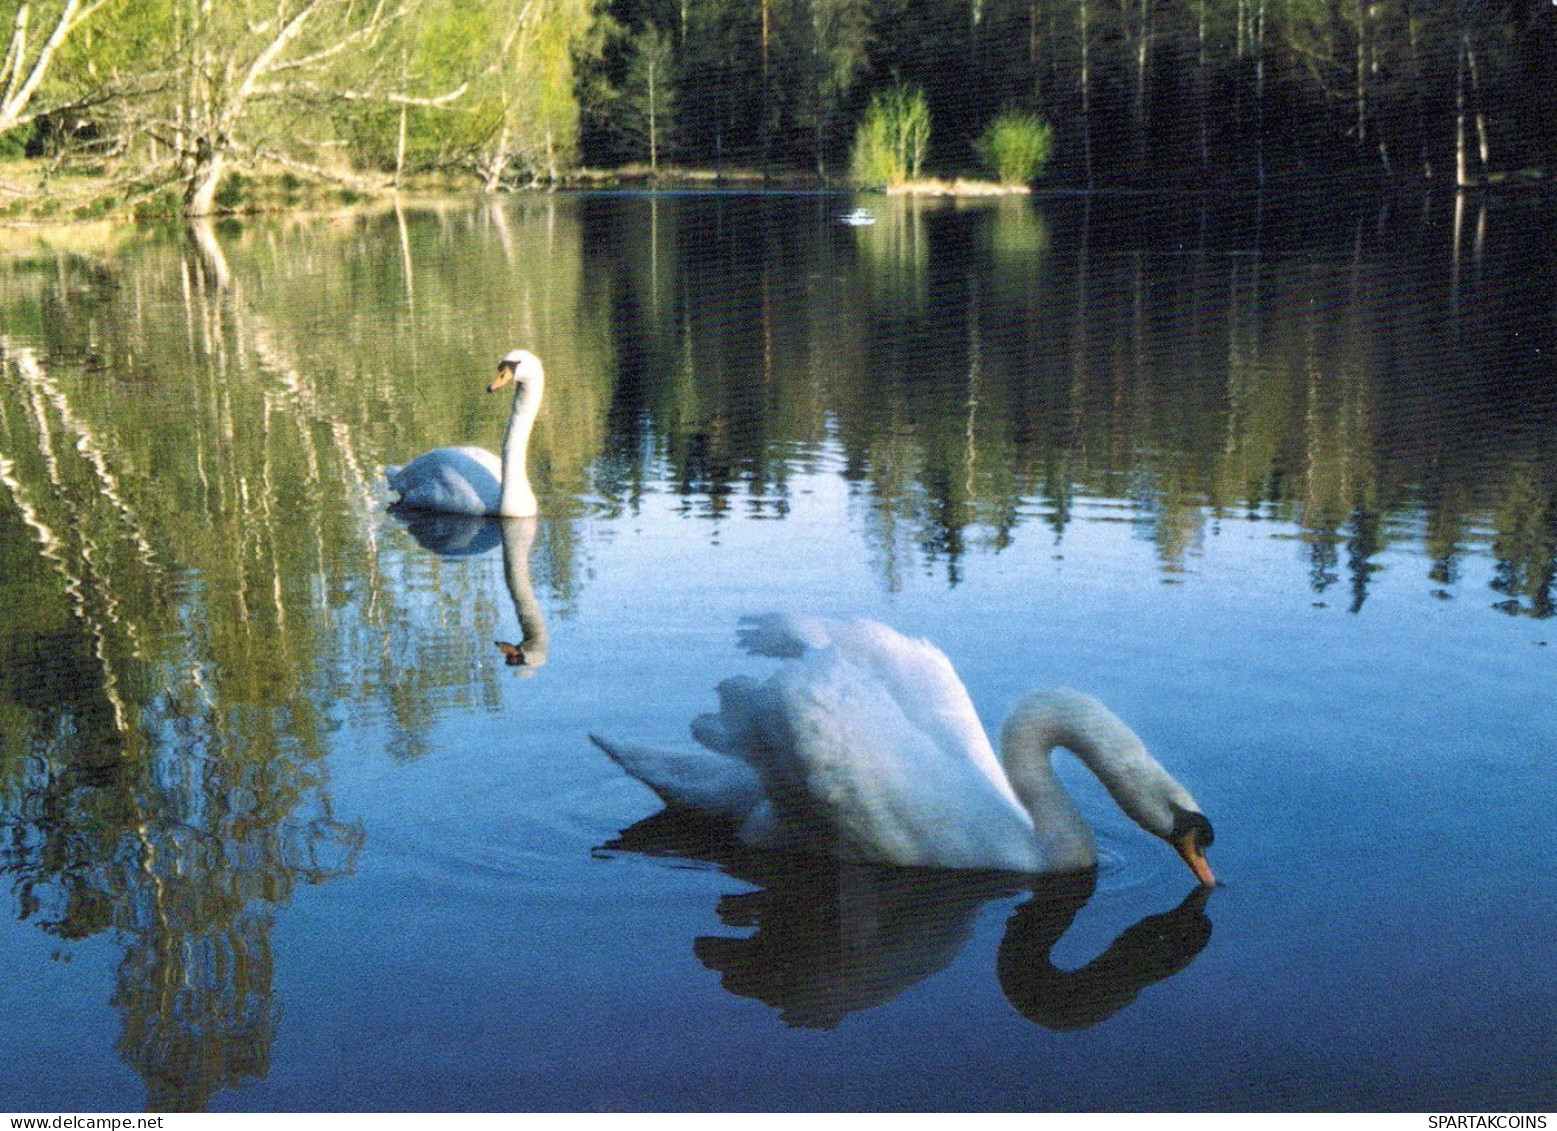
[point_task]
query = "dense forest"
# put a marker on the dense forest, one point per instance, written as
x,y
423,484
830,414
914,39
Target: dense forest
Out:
x,y
179,99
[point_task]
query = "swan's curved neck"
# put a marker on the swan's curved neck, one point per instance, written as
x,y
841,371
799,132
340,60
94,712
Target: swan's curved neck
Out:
x,y
518,500
1027,743
1109,748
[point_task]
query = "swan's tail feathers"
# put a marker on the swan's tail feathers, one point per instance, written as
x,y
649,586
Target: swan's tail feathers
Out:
x,y
699,779
782,635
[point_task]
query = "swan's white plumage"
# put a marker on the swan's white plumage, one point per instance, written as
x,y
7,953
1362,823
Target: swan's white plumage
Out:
x,y
701,779
461,480
865,744
473,481
885,773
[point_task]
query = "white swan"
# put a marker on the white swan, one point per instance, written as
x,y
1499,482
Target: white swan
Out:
x,y
866,745
472,480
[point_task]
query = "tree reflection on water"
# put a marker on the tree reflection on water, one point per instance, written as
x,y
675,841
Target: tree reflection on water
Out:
x,y
195,590
981,366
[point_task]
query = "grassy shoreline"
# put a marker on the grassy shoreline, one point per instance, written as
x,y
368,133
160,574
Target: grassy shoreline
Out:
x,y
36,193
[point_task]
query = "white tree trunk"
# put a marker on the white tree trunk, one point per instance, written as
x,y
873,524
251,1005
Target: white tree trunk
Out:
x,y
19,79
1461,170
400,148
654,139
200,195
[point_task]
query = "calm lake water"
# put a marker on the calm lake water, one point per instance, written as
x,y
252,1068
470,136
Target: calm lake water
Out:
x,y
282,830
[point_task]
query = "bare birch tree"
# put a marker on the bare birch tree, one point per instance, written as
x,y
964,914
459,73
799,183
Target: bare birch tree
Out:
x,y
28,57
235,57
533,75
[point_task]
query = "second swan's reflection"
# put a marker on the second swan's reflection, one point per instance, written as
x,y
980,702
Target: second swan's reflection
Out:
x,y
459,536
830,938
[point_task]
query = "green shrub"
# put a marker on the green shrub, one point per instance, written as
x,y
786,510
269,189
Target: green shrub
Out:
x,y
160,206
99,206
230,193
890,144
1015,147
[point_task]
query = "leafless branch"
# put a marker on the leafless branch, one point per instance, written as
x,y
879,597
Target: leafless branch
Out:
x,y
19,90
260,153
328,93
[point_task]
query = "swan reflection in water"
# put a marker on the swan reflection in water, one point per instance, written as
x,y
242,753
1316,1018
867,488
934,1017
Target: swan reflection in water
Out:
x,y
830,938
459,536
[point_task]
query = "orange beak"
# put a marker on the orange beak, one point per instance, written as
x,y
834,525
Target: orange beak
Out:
x,y
505,374
1190,850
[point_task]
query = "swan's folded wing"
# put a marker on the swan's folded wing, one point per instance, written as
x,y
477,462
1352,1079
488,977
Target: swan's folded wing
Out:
x,y
885,788
914,672
926,688
453,480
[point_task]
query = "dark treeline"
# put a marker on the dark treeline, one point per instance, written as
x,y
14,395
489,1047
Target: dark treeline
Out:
x,y
1136,89
185,98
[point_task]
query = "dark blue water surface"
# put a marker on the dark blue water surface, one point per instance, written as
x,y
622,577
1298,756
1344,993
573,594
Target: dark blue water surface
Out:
x,y
282,830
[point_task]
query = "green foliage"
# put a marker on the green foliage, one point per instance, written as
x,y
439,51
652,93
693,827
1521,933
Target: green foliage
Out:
x,y
646,102
230,195
519,116
837,37
98,207
890,144
516,90
1015,147
160,206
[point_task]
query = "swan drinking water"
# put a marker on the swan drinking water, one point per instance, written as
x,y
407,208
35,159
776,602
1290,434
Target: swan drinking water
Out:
x,y
472,480
866,745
